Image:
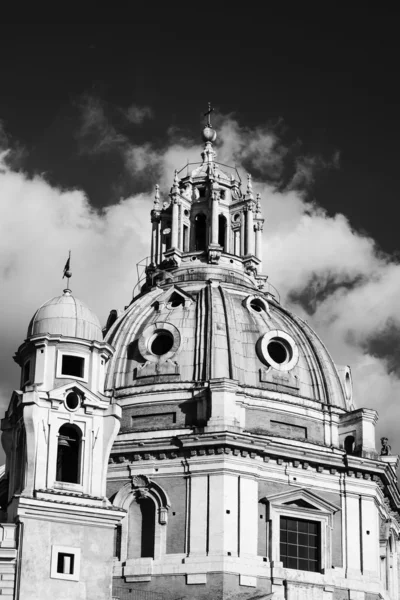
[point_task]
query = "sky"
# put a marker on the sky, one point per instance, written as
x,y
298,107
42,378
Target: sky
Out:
x,y
92,117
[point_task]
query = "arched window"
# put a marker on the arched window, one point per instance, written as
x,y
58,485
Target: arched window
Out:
x,y
200,225
185,241
68,454
20,464
236,242
143,530
222,231
167,236
349,444
142,523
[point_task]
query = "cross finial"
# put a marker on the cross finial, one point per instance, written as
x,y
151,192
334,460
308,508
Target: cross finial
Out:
x,y
208,114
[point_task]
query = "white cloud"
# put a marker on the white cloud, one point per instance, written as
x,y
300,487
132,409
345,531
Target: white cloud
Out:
x,y
356,286
39,225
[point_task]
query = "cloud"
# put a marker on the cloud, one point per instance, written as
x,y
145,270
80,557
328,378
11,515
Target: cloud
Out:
x,y
100,129
307,168
327,272
39,224
137,114
96,133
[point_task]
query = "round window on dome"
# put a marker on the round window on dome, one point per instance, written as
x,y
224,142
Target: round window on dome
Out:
x,y
257,305
72,401
161,343
278,350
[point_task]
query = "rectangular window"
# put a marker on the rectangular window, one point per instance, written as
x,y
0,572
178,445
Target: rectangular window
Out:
x,y
27,372
72,365
300,544
65,563
117,541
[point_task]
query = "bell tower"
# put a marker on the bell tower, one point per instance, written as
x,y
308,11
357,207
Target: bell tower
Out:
x,y
57,433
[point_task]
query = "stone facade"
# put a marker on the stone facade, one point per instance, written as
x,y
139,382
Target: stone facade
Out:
x,y
220,452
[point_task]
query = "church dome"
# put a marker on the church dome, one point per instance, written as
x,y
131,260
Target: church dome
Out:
x,y
218,328
68,316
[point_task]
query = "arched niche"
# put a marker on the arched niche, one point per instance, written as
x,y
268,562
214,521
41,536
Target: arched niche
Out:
x,y
222,225
143,530
349,444
69,454
200,232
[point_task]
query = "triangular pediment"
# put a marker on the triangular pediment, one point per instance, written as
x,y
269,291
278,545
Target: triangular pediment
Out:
x,y
88,396
301,498
173,298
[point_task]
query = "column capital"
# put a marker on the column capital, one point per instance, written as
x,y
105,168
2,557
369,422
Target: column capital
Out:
x,y
155,216
249,206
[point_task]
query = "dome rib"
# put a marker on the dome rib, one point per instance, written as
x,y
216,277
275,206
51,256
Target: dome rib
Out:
x,y
220,338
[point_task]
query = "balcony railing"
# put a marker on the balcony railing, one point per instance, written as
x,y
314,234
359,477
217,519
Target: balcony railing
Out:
x,y
142,265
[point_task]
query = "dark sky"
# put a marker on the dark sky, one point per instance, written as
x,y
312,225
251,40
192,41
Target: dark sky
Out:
x,y
331,76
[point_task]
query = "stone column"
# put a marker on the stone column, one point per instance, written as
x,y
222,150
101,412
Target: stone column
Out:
x,y
369,536
228,230
214,218
175,223
242,235
153,251
352,539
158,242
248,506
198,528
249,229
259,230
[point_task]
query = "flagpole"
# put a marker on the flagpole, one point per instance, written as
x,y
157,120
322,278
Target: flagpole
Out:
x,y
69,272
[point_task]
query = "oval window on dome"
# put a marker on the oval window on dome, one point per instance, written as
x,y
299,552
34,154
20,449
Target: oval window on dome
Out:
x,y
278,350
159,342
257,305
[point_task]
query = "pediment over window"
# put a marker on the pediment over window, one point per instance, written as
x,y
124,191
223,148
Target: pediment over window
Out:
x,y
300,503
173,298
301,498
89,399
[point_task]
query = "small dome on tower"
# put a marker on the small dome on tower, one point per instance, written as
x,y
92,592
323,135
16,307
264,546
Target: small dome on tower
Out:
x,y
209,134
68,316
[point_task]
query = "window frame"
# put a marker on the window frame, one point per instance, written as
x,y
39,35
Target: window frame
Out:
x,y
61,375
27,366
76,552
298,520
319,511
